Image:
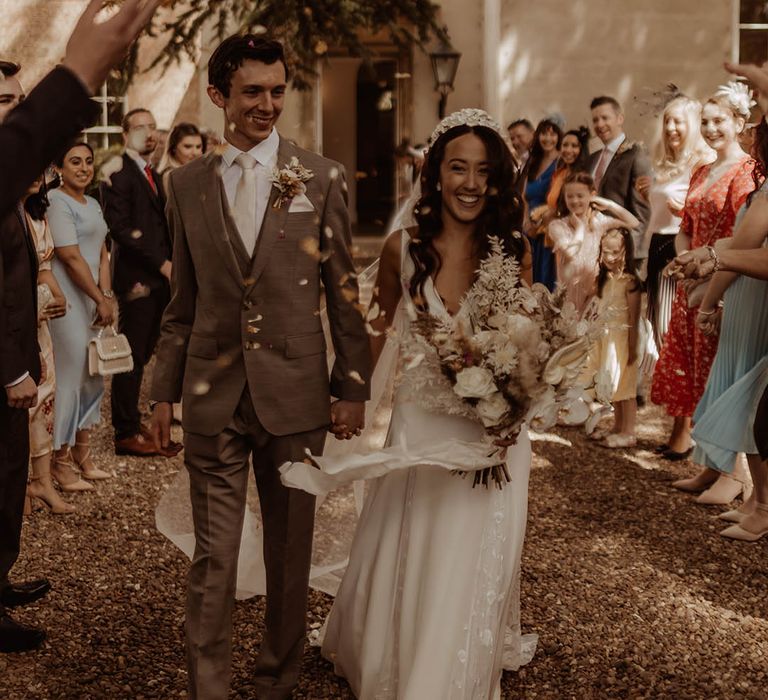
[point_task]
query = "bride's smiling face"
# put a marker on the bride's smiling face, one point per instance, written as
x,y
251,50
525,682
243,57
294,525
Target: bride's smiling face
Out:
x,y
464,178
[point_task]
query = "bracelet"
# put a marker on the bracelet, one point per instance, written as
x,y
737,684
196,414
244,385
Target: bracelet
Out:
x,y
707,313
108,293
714,257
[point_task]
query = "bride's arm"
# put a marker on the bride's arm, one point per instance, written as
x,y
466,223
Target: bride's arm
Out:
x,y
386,293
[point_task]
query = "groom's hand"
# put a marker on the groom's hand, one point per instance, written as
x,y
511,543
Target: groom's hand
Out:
x,y
162,413
347,419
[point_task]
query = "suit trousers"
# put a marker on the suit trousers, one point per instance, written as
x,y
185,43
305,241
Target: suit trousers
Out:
x,y
218,475
140,320
14,461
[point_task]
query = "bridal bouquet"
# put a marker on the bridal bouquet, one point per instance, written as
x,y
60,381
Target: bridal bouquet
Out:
x,y
512,355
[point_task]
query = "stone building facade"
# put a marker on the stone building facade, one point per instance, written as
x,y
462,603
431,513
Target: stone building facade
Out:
x,y
518,59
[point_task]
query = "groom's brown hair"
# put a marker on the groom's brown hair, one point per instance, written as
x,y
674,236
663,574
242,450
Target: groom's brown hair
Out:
x,y
233,51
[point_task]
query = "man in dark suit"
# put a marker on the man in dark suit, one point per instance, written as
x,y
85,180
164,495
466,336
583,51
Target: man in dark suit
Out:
x,y
134,207
60,106
20,373
617,165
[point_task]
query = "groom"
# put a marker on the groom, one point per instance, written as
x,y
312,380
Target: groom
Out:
x,y
242,342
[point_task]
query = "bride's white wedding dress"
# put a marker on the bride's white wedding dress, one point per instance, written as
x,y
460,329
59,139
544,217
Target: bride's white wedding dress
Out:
x,y
429,605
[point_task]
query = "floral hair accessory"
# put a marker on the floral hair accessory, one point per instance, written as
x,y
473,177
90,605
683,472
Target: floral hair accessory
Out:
x,y
465,117
739,97
289,181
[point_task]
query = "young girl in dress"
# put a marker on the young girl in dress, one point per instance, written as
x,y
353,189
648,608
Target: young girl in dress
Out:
x,y
616,351
576,237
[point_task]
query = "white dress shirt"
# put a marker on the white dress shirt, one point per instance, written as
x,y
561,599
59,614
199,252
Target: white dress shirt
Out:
x,y
610,149
265,154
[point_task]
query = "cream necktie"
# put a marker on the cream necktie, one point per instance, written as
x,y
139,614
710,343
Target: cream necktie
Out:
x,y
245,201
602,164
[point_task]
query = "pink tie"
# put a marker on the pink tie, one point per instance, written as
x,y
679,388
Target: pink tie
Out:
x,y
600,169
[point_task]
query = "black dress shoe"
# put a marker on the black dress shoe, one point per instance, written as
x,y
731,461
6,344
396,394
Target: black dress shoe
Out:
x,y
673,456
16,594
17,637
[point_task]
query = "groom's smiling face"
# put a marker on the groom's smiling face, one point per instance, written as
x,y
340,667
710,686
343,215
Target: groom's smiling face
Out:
x,y
255,101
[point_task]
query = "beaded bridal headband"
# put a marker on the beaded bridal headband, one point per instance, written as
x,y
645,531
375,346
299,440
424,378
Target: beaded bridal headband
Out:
x,y
465,117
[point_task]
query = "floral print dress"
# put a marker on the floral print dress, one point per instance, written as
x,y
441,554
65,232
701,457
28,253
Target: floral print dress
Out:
x,y
687,354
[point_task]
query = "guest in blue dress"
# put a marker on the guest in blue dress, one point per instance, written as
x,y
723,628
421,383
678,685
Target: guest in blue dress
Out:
x,y
724,416
81,264
538,179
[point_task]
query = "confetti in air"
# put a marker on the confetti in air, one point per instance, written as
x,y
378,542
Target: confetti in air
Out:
x,y
303,282
354,375
136,234
201,388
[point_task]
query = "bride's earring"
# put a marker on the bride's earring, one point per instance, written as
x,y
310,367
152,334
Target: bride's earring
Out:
x,y
439,187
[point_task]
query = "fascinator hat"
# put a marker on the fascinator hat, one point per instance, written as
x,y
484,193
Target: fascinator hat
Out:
x,y
738,96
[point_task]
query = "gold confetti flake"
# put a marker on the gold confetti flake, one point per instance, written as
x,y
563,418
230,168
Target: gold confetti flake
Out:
x,y
303,282
201,388
328,231
136,234
354,375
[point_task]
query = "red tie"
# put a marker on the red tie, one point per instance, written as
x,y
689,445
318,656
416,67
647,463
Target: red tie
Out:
x,y
150,178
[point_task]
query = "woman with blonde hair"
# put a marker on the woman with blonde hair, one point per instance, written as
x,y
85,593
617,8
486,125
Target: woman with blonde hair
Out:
x,y
716,193
680,149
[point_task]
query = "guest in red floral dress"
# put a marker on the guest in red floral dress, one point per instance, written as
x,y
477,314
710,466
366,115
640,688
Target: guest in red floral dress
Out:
x,y
717,192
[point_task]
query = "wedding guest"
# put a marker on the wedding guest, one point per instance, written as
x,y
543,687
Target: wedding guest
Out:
x,y
615,352
211,139
20,373
716,193
617,166
11,92
134,208
81,266
576,237
35,133
521,136
185,143
538,176
680,149
574,157
51,304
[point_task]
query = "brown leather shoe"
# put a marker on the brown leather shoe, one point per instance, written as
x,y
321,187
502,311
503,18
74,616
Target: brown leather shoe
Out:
x,y
172,450
136,446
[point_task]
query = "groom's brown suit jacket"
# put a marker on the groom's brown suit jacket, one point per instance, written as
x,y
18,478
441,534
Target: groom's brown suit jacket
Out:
x,y
234,321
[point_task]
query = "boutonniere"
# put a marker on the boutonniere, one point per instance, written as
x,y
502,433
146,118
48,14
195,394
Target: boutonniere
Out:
x,y
289,181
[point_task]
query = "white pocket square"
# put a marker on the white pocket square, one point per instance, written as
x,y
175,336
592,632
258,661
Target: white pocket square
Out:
x,y
299,204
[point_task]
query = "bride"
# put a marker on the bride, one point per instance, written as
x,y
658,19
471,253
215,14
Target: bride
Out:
x,y
429,604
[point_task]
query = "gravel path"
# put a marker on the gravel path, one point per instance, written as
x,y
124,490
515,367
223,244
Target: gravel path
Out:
x,y
626,582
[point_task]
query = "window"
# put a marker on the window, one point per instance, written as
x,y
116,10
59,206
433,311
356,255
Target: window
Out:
x,y
752,46
108,129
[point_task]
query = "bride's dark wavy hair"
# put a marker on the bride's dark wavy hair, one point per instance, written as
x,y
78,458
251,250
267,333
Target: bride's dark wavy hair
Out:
x,y
502,214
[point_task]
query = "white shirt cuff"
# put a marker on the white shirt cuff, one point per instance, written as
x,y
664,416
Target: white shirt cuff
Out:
x,y
18,381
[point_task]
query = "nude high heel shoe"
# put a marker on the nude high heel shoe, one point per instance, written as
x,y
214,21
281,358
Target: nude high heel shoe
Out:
x,y
40,487
752,528
728,486
87,468
63,470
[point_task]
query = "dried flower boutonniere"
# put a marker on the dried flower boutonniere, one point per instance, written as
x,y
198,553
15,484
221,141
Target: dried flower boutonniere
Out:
x,y
289,181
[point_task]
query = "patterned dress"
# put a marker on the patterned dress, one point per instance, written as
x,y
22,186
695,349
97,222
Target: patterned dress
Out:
x,y
41,415
687,354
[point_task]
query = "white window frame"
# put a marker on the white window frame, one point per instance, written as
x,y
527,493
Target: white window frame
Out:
x,y
737,26
103,127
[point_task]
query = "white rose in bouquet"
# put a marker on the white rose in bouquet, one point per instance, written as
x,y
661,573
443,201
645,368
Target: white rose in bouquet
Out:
x,y
474,383
492,409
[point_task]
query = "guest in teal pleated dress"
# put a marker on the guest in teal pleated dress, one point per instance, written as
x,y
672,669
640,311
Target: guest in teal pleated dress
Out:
x,y
723,428
81,265
538,179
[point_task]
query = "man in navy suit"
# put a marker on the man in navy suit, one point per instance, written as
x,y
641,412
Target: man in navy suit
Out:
x,y
134,207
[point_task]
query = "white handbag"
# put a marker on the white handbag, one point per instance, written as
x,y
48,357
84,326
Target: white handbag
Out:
x,y
109,353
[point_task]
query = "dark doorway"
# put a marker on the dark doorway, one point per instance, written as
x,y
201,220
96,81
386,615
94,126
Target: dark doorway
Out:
x,y
376,137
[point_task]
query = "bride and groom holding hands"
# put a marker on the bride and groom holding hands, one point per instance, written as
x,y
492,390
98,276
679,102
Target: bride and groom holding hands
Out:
x,y
429,603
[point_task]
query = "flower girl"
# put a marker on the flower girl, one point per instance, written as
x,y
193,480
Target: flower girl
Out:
x,y
614,355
